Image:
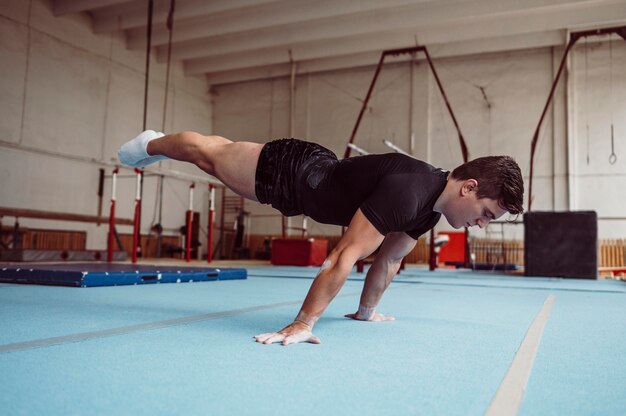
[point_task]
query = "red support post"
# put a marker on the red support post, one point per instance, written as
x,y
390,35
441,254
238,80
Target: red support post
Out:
x,y
136,218
112,216
209,255
189,223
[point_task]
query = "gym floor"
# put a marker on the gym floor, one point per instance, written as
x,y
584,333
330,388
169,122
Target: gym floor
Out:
x,y
463,343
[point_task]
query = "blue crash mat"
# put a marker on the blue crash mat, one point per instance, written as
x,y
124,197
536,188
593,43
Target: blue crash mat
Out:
x,y
105,274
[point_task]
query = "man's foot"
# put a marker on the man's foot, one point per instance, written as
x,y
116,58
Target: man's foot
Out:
x,y
134,153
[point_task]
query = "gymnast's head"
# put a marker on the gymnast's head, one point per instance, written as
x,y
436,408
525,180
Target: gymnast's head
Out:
x,y
483,190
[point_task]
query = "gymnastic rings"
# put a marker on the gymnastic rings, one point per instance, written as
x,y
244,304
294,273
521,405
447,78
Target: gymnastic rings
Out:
x,y
613,156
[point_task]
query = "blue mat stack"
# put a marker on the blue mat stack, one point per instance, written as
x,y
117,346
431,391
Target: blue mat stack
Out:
x,y
105,274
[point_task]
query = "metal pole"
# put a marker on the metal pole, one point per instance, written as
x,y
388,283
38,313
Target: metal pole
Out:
x,y
211,219
137,213
189,223
112,216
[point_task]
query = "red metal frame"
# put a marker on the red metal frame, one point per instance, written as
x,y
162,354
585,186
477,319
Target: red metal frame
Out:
x,y
137,215
464,151
112,216
574,37
404,51
211,220
189,223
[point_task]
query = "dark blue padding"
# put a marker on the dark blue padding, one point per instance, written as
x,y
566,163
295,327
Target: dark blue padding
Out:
x,y
232,274
105,274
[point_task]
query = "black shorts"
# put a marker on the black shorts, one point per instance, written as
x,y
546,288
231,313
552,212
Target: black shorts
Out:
x,y
283,168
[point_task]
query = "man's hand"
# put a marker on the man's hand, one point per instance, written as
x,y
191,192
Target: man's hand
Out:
x,y
359,241
375,317
291,334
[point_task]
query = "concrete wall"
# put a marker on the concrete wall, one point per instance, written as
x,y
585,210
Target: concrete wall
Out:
x,y
69,99
497,99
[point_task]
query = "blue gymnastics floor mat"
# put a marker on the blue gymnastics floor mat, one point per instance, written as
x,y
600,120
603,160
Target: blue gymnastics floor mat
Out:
x,y
105,274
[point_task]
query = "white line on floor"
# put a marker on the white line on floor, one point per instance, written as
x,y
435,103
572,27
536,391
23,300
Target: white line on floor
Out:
x,y
508,398
86,336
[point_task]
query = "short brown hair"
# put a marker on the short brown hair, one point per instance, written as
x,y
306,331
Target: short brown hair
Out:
x,y
499,178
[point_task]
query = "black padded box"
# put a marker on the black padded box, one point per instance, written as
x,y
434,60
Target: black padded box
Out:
x,y
561,244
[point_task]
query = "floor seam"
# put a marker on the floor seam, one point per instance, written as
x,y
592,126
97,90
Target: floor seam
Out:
x,y
86,336
508,398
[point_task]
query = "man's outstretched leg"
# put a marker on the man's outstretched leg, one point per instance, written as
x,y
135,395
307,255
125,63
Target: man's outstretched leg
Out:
x,y
233,163
133,153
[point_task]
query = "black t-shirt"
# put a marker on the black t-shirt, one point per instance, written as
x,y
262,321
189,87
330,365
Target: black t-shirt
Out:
x,y
395,192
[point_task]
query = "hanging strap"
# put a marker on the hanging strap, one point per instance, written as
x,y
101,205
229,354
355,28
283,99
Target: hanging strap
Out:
x,y
148,47
613,156
170,27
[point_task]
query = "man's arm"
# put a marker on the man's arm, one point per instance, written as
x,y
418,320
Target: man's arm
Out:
x,y
359,241
379,276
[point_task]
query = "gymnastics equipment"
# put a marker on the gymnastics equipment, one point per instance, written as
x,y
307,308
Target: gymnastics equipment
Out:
x,y
211,220
137,216
358,149
396,52
100,192
106,274
573,38
395,148
299,251
561,244
112,216
189,224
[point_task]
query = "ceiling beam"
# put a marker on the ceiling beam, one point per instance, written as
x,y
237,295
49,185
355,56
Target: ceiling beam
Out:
x,y
468,29
292,15
461,48
287,37
108,21
315,20
61,7
119,10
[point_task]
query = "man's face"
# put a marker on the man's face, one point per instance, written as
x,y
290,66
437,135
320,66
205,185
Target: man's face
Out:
x,y
467,210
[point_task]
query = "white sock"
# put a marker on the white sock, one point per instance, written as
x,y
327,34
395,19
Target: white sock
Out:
x,y
134,153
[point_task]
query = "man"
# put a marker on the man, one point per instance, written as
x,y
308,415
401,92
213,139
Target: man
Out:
x,y
386,201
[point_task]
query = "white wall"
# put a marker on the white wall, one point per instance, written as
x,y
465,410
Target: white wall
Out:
x,y
69,99
500,121
599,101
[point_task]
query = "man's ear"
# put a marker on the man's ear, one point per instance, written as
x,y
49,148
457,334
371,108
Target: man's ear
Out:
x,y
468,186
